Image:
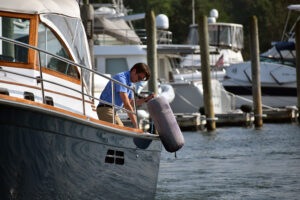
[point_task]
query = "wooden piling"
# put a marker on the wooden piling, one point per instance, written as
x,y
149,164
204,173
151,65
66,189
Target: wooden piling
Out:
x,y
205,70
255,68
151,50
298,64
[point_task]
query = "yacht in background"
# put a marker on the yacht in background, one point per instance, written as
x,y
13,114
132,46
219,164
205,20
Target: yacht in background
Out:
x,y
118,46
113,55
278,72
225,45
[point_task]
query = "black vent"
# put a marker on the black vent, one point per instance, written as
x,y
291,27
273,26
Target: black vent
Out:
x,y
4,91
38,79
114,157
49,100
29,96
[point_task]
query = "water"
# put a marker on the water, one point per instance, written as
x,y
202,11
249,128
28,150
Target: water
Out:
x,y
234,163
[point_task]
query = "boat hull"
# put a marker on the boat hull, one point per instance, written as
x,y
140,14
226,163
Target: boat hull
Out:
x,y
189,97
272,95
48,156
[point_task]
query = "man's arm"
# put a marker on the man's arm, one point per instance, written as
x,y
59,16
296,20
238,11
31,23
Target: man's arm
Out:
x,y
128,106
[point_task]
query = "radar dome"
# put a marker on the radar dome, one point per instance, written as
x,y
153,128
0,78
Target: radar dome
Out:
x,y
162,21
211,20
214,13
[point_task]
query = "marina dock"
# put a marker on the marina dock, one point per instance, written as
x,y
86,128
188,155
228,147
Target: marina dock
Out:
x,y
196,121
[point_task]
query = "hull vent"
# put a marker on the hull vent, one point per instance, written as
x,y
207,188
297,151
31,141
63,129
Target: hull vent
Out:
x,y
114,157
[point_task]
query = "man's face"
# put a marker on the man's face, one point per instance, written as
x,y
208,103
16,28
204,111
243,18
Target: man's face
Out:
x,y
137,77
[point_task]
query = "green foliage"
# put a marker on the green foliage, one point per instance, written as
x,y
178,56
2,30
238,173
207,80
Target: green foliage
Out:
x,y
271,15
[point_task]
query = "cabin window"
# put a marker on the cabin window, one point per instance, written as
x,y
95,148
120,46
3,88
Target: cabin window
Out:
x,y
115,65
225,36
72,33
238,39
48,41
15,29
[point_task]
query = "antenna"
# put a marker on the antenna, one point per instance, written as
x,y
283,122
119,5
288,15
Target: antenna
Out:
x,y
193,11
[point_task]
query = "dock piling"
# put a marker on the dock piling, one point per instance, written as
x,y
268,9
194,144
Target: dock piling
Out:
x,y
151,50
298,65
205,70
255,69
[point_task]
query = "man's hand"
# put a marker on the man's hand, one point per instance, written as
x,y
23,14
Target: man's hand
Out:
x,y
128,106
141,101
149,97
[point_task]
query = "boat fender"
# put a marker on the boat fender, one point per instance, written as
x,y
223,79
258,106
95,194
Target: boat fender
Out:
x,y
165,123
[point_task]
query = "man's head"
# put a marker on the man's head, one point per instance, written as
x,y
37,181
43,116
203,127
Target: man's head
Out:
x,y
139,72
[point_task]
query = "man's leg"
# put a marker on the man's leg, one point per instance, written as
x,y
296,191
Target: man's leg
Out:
x,y
106,114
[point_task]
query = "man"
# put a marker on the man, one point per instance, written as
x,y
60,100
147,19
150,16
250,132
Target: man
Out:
x,y
123,96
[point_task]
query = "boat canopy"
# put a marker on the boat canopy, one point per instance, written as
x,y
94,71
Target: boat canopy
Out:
x,y
117,28
63,7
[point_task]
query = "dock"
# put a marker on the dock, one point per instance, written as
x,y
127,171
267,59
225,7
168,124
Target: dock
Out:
x,y
196,121
286,115
190,121
235,119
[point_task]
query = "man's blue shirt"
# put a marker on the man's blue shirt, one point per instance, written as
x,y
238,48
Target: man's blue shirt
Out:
x,y
123,77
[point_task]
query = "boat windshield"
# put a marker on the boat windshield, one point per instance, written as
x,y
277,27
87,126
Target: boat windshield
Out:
x,y
49,42
223,35
226,35
71,31
16,29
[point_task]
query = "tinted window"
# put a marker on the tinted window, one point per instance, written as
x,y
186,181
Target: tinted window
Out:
x,y
16,29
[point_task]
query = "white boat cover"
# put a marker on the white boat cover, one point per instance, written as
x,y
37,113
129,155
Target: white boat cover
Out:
x,y
116,28
63,7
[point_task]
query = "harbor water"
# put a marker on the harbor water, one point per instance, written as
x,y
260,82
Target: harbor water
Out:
x,y
234,163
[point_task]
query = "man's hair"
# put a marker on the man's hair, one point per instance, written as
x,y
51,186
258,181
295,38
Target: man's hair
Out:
x,y
142,68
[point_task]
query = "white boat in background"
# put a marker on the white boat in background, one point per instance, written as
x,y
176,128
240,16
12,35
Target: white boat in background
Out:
x,y
284,51
118,46
226,42
189,97
117,55
52,145
278,84
278,73
225,45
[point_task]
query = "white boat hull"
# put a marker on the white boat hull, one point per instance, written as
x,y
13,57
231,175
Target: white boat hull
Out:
x,y
189,97
278,84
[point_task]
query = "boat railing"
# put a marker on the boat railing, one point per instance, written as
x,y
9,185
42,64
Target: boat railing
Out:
x,y
83,94
129,36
